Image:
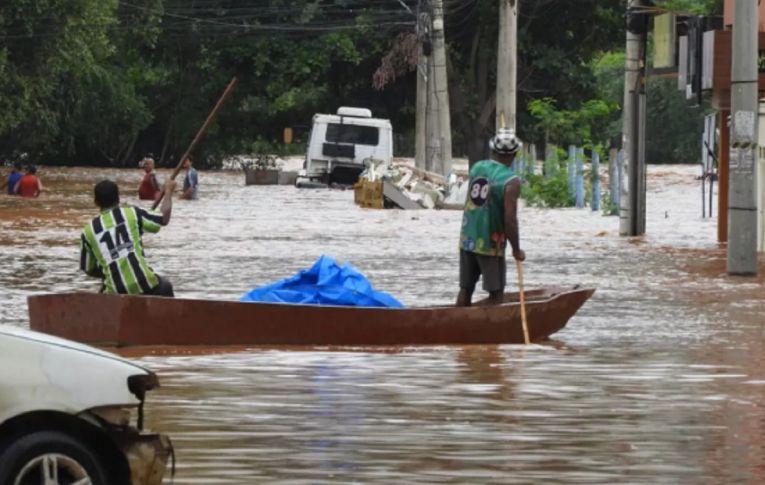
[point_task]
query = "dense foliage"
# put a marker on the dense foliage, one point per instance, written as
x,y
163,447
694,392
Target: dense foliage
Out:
x,y
107,81
552,192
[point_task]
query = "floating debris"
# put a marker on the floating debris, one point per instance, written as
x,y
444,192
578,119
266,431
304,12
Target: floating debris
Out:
x,y
400,184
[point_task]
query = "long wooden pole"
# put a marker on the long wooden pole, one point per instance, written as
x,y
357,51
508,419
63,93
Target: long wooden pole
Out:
x,y
199,134
519,265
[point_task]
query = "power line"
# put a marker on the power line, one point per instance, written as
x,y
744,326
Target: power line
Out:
x,y
245,23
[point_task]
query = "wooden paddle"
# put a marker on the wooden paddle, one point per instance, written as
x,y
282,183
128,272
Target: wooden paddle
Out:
x,y
199,135
519,265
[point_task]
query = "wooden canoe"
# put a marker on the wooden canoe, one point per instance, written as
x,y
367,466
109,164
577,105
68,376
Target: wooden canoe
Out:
x,y
121,320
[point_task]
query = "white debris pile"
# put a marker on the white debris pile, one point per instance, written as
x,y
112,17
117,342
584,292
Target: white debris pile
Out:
x,y
289,163
456,194
428,189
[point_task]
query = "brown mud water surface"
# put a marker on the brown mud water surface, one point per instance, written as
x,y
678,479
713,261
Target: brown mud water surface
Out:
x,y
660,377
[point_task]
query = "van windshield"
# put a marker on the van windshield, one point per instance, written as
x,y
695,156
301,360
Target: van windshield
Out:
x,y
358,135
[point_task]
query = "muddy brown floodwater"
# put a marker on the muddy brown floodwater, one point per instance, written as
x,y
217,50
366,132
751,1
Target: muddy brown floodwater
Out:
x,y
660,377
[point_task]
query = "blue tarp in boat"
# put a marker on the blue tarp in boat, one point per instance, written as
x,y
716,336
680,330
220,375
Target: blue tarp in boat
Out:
x,y
324,283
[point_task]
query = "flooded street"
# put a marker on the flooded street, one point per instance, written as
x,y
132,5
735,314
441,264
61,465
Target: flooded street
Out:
x,y
659,378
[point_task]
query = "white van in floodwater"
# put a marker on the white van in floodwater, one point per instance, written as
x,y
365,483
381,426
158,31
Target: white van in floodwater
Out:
x,y
340,143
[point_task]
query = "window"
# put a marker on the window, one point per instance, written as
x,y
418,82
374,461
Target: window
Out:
x,y
358,135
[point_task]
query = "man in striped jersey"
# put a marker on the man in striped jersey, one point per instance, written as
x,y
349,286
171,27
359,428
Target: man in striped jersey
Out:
x,y
111,247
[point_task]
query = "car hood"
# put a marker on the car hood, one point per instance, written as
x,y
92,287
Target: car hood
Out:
x,y
39,372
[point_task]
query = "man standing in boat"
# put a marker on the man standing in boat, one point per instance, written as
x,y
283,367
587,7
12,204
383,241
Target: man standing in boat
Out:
x,y
111,246
490,219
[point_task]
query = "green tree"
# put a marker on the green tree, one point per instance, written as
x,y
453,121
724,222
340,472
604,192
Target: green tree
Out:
x,y
673,129
556,42
59,96
695,7
579,127
292,59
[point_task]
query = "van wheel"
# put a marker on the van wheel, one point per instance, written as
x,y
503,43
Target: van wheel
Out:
x,y
51,458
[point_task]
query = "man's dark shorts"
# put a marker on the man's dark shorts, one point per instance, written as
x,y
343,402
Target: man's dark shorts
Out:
x,y
492,269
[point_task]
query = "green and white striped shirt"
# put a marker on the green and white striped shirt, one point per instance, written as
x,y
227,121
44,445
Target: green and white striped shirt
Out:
x,y
111,247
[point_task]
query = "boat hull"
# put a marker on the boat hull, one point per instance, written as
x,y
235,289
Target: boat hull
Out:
x,y
122,320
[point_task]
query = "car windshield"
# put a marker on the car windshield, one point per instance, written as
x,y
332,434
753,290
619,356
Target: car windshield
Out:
x,y
358,135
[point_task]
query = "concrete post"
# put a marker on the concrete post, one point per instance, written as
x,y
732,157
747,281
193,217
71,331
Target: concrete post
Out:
x,y
571,170
507,53
613,185
533,156
420,133
432,136
580,178
742,208
550,165
595,201
619,176
632,197
441,88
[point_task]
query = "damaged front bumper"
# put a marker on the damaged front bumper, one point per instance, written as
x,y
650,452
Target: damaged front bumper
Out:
x,y
147,456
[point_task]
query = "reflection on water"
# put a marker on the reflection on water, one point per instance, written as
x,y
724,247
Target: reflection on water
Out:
x,y
658,379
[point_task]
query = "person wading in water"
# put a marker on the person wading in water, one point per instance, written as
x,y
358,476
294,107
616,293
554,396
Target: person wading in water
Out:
x,y
490,219
13,177
29,185
149,188
111,246
190,181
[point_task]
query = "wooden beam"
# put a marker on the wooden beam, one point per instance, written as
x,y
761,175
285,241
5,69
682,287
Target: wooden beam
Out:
x,y
723,178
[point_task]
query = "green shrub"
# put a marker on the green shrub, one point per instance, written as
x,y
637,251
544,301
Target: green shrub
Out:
x,y
608,206
539,191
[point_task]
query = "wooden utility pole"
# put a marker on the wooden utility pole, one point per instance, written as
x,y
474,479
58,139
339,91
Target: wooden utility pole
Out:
x,y
742,208
441,88
632,199
723,180
420,136
423,53
507,55
432,131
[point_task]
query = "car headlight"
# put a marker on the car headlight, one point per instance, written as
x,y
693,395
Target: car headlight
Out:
x,y
138,385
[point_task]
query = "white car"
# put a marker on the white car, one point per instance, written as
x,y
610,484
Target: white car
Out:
x,y
73,414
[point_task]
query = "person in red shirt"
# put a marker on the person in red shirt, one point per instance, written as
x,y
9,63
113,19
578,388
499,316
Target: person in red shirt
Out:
x,y
29,185
149,188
